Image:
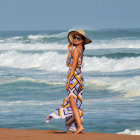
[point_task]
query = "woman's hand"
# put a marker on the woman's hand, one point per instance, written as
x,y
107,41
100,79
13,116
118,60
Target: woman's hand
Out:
x,y
67,86
70,46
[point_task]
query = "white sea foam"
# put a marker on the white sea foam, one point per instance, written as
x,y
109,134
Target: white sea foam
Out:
x,y
30,102
47,82
50,61
130,87
11,43
130,132
35,37
114,44
133,94
11,39
53,61
33,47
104,64
40,81
58,35
97,82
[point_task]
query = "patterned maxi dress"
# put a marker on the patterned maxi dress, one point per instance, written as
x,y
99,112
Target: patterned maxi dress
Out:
x,y
75,90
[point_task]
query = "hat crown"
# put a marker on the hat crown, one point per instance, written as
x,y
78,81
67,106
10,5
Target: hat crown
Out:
x,y
81,32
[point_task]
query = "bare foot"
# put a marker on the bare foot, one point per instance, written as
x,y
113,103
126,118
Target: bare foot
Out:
x,y
79,130
69,132
48,119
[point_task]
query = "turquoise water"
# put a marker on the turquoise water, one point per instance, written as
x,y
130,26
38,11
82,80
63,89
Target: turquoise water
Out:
x,y
33,75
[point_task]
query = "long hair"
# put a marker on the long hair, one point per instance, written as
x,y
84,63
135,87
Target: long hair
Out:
x,y
83,44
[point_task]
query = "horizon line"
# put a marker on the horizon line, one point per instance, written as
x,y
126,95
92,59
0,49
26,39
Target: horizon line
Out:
x,y
120,28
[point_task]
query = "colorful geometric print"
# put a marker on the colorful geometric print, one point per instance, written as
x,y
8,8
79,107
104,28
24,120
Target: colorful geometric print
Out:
x,y
76,85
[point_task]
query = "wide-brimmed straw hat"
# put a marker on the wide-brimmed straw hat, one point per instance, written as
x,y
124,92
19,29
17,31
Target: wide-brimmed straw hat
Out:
x,y
78,32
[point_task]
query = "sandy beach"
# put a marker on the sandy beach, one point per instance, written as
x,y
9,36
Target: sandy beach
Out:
x,y
30,134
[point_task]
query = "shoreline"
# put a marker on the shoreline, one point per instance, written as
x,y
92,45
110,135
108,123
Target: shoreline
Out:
x,y
35,134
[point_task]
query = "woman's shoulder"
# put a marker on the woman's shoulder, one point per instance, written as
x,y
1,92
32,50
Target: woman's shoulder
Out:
x,y
77,51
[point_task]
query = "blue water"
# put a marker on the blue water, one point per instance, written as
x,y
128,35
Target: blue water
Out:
x,y
33,75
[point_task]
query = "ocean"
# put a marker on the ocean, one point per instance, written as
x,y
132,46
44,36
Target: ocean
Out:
x,y
33,74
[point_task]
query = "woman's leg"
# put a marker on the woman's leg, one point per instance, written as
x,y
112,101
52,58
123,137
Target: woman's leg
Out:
x,y
76,115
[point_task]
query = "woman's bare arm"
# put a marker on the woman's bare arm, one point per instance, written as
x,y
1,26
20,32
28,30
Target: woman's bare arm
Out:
x,y
70,47
67,62
74,63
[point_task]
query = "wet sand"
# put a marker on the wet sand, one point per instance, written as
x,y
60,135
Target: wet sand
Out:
x,y
30,134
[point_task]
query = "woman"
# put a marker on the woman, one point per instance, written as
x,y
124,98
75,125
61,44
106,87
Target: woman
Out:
x,y
71,109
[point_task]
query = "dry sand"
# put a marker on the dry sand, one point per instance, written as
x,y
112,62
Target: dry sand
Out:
x,y
29,134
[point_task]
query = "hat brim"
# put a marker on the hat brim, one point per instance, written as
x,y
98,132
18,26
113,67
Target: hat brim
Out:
x,y
72,33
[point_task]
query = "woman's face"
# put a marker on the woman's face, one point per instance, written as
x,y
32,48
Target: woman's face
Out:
x,y
77,40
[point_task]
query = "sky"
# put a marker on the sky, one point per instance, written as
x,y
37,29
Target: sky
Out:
x,y
67,14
